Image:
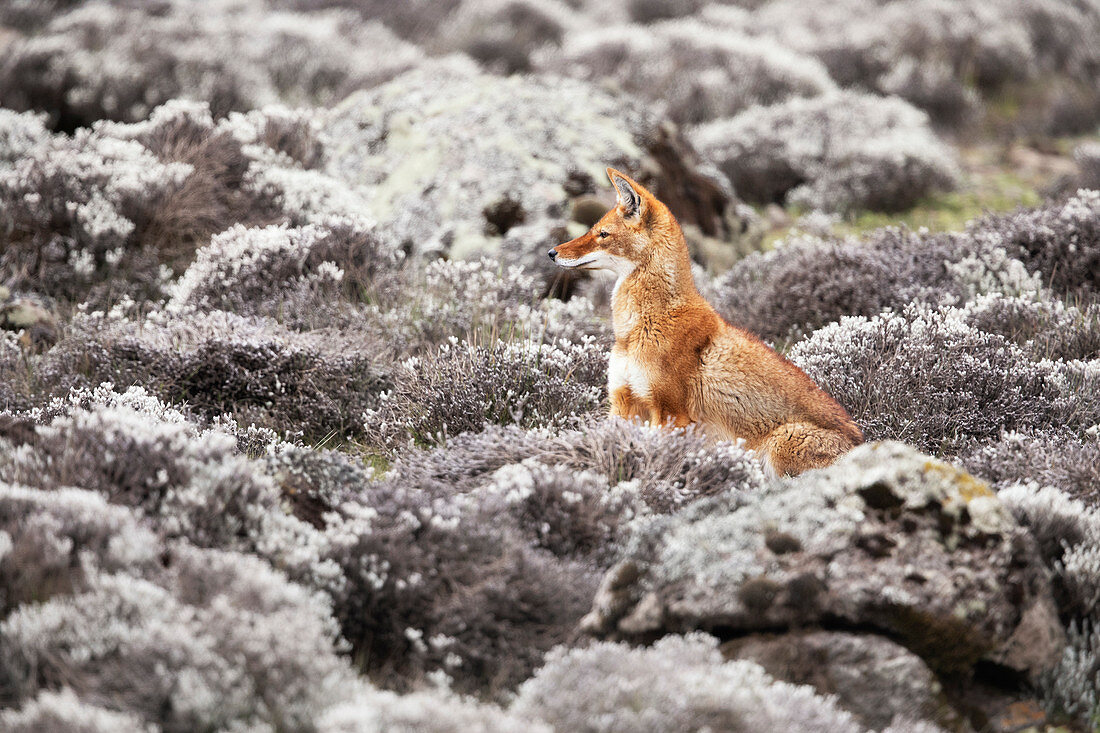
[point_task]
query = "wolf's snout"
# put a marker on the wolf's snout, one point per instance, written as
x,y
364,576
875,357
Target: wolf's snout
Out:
x,y
553,254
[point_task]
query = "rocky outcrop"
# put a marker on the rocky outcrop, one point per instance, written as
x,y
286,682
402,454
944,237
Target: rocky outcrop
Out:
x,y
888,542
451,159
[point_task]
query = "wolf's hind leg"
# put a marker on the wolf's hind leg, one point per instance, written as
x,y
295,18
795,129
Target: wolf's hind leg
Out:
x,y
795,447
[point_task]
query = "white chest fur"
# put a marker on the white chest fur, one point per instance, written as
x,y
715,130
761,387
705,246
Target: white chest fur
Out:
x,y
623,371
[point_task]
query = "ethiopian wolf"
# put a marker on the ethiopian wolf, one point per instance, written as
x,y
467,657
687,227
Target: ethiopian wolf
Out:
x,y
676,361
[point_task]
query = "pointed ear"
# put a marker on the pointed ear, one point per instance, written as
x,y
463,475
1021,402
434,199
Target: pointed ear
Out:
x,y
629,193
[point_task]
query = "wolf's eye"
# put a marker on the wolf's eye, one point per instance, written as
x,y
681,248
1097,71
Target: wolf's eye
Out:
x,y
603,234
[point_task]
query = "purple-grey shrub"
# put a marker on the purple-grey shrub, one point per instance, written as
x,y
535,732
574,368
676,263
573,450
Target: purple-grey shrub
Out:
x,y
434,584
120,60
216,621
315,384
134,451
296,272
811,281
1050,457
943,56
701,74
106,210
464,387
1060,240
926,377
679,683
837,152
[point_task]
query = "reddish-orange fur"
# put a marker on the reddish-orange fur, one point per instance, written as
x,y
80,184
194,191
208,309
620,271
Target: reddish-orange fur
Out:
x,y
676,361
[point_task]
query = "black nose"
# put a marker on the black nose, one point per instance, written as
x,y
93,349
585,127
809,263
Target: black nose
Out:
x,y
553,254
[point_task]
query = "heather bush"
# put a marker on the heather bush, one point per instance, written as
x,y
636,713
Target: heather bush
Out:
x,y
295,272
926,377
104,212
53,542
1060,240
417,20
421,712
316,384
64,712
30,15
679,683
19,134
202,645
810,281
1045,326
1072,688
668,468
1068,534
434,584
1050,458
119,61
463,387
502,34
693,73
190,485
77,207
836,152
939,55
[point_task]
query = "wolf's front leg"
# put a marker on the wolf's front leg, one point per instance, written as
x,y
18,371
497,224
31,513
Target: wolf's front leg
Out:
x,y
626,405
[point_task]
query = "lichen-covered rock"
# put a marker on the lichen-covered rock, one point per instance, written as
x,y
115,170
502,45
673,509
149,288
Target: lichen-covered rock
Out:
x,y
452,158
888,539
874,678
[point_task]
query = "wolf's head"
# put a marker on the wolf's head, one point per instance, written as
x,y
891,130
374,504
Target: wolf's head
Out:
x,y
624,237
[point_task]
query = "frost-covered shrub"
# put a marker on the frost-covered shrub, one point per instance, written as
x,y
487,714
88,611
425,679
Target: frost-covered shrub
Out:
x,y
668,468
76,209
423,711
679,683
464,387
1072,688
317,384
294,272
30,15
418,20
64,712
672,468
435,584
694,73
1068,533
570,512
810,281
926,377
1049,458
648,11
202,645
937,54
190,485
836,152
1045,326
14,374
502,34
1060,240
105,210
119,61
19,133
51,541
